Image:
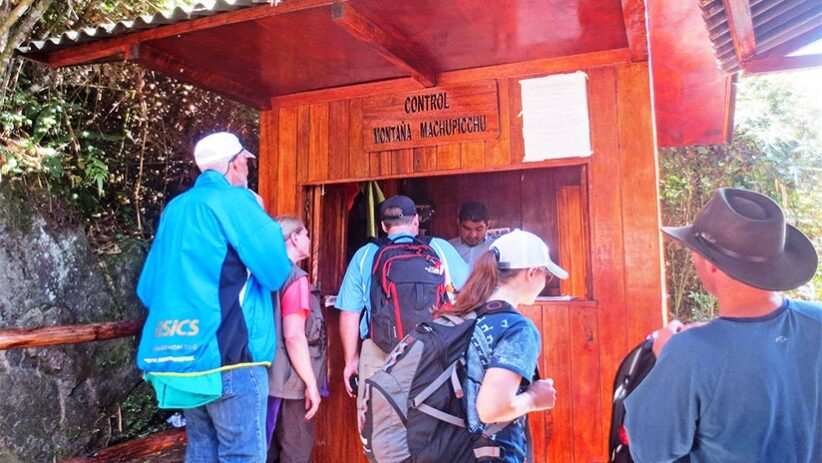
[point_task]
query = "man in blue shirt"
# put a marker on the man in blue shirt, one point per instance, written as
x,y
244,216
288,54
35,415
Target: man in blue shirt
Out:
x,y
399,217
207,284
746,386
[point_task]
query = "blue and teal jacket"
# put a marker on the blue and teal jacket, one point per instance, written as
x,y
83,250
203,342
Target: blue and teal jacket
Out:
x,y
207,282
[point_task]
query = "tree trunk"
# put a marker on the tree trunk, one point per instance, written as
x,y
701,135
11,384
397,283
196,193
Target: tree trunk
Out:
x,y
17,26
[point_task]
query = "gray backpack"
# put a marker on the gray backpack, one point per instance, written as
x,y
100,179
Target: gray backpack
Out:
x,y
415,407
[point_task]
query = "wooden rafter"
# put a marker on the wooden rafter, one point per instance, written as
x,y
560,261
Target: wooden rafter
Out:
x,y
741,27
633,13
110,47
389,45
156,60
792,45
783,63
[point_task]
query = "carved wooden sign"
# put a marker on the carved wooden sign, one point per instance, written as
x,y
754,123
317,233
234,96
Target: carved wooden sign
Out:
x,y
433,116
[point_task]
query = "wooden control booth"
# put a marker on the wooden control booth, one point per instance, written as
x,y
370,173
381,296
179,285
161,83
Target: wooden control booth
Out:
x,y
425,98
598,214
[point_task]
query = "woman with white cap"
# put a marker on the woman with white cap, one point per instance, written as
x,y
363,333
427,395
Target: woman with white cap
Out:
x,y
502,358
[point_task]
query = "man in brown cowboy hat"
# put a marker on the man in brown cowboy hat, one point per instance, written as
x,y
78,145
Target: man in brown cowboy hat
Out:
x,y
746,387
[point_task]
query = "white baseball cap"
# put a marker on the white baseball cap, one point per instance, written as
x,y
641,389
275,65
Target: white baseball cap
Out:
x,y
521,249
218,147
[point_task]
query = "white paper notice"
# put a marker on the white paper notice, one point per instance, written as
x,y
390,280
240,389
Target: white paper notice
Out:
x,y
555,117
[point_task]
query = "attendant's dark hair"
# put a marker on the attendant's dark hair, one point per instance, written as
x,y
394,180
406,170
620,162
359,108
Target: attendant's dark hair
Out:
x,y
484,279
473,211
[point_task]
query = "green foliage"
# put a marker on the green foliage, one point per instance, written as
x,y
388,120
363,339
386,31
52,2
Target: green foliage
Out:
x,y
776,151
114,140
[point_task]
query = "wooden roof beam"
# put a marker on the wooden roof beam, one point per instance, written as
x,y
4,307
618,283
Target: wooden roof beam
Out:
x,y
389,45
741,26
633,14
158,61
792,45
784,63
110,47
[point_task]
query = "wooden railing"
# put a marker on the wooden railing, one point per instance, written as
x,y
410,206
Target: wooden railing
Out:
x,y
19,338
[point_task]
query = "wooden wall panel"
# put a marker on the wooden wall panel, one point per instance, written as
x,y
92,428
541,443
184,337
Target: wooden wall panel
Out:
x,y
556,348
338,143
303,142
425,159
318,151
605,212
573,241
448,157
643,246
267,158
498,152
358,161
517,143
402,161
286,201
537,420
473,155
586,394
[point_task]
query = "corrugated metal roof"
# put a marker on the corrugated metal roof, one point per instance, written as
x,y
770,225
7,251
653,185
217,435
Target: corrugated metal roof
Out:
x,y
775,22
104,31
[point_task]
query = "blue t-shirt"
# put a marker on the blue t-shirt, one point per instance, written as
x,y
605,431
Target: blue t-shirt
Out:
x,y
735,390
355,291
514,344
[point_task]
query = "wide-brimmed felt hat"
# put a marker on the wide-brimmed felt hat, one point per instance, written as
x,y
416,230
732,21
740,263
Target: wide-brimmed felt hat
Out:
x,y
744,234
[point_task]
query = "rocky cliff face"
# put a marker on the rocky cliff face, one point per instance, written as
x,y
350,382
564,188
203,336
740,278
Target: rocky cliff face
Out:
x,y
58,401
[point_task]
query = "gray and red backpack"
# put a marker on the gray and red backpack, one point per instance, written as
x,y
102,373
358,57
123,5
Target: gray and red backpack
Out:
x,y
408,284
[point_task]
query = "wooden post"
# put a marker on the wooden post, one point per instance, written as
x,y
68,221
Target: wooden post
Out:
x,y
15,338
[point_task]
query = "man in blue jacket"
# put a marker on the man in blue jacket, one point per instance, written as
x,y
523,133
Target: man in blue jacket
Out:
x,y
207,284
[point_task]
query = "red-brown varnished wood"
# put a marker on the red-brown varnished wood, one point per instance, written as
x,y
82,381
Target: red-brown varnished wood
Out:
x,y
358,160
388,44
303,143
448,157
741,27
573,241
556,348
498,152
517,143
92,51
784,63
473,155
245,91
138,448
537,420
16,338
287,163
338,143
590,443
402,161
318,153
633,13
267,158
525,68
644,274
692,96
425,159
605,212
459,35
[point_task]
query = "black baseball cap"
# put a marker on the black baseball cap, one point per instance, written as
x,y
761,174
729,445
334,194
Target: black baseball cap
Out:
x,y
403,203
